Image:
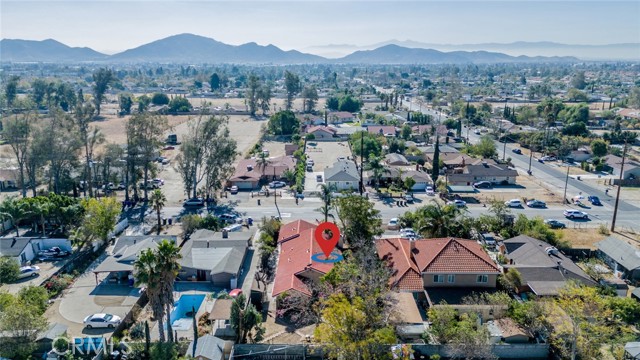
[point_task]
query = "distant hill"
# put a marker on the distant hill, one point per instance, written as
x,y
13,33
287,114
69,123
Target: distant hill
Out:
x,y
622,51
394,54
46,51
189,48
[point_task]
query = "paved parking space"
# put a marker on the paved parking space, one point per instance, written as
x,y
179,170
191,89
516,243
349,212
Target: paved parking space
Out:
x,y
47,269
325,154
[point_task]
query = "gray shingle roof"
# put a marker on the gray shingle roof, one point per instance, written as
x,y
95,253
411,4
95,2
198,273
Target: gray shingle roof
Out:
x,y
126,251
490,170
208,346
222,259
344,170
13,246
621,251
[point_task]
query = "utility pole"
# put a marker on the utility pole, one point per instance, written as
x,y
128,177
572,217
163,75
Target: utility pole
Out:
x,y
530,158
504,149
275,194
615,208
566,181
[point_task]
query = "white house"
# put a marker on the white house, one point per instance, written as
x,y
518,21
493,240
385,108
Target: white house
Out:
x,y
24,249
343,175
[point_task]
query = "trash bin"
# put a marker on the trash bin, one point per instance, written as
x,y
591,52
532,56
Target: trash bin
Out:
x,y
164,221
258,201
170,221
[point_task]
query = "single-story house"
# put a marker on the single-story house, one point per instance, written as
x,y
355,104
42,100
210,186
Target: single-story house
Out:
x,y
345,131
295,266
437,263
119,264
217,257
339,117
25,249
343,175
9,179
494,173
629,114
396,159
621,256
580,155
311,119
249,172
613,163
544,269
208,347
384,130
632,351
321,132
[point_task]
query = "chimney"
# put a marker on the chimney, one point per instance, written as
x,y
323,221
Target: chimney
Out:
x,y
249,167
225,234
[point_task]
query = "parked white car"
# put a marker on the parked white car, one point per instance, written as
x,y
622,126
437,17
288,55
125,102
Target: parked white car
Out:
x,y
457,203
28,271
430,191
393,224
102,321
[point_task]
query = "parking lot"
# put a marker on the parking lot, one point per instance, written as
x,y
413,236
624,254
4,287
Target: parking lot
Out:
x,y
324,155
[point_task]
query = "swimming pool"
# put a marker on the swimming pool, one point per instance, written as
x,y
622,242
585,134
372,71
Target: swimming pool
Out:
x,y
183,308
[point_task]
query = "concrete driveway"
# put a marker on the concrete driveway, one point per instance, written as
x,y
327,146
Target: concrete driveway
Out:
x,y
84,298
47,269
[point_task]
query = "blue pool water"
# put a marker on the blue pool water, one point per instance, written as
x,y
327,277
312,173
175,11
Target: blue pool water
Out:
x,y
185,305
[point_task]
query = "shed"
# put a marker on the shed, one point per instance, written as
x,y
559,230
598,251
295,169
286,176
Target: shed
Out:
x,y
207,347
623,257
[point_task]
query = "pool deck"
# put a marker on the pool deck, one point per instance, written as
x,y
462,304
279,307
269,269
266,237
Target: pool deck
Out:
x,y
184,330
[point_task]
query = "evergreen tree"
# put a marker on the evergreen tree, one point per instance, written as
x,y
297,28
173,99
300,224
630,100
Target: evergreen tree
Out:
x,y
436,161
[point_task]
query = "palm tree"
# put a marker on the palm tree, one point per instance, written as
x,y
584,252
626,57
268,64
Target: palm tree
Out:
x,y
41,210
263,161
157,200
435,220
289,175
377,168
13,209
326,194
146,272
167,255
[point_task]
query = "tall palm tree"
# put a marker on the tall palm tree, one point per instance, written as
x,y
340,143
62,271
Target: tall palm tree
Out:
x,y
157,201
326,195
289,175
375,165
167,255
147,273
41,209
263,161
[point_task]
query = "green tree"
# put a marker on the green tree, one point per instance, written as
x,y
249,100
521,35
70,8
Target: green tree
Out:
x,y
39,91
9,270
147,273
126,102
99,220
284,123
17,130
214,81
486,148
246,321
143,103
157,202
406,132
90,138
360,221
35,297
160,99
179,104
292,86
102,78
438,221
577,95
309,98
599,148
347,333
15,210
371,146
20,325
167,257
349,104
578,80
326,195
11,89
206,154
252,93
145,136
435,166
376,165
408,183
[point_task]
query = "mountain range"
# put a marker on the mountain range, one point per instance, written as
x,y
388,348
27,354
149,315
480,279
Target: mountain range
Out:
x,y
192,49
621,51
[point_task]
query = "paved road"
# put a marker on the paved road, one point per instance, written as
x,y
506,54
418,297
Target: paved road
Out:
x,y
556,176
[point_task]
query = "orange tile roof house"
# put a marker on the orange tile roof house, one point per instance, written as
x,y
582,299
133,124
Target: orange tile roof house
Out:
x,y
296,245
434,263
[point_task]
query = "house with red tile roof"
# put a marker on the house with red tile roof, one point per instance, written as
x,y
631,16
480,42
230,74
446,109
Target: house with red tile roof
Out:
x,y
385,130
437,263
321,132
295,267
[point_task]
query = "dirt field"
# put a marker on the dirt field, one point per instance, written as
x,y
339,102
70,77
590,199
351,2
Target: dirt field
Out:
x,y
532,190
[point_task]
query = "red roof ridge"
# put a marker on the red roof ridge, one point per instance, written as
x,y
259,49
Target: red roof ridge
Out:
x,y
457,241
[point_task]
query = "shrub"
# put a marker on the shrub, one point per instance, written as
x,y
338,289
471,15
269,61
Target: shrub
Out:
x,y
61,345
137,331
34,296
57,284
603,230
9,270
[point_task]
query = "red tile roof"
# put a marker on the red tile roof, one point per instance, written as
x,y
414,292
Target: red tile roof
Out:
x,y
276,165
322,128
397,254
293,229
294,259
442,255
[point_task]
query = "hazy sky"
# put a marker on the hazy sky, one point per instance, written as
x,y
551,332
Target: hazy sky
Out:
x,y
112,26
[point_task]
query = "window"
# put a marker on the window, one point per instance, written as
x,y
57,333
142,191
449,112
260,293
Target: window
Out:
x,y
451,278
438,278
482,279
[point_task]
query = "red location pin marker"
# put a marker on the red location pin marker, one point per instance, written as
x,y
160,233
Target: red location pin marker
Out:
x,y
327,242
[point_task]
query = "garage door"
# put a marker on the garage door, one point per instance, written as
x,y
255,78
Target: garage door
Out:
x,y
244,185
